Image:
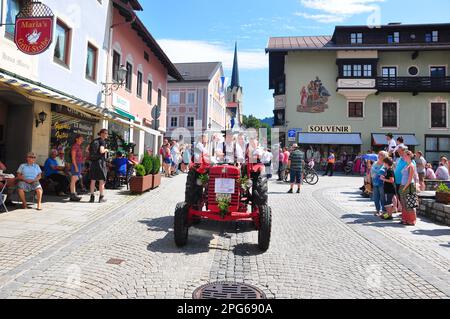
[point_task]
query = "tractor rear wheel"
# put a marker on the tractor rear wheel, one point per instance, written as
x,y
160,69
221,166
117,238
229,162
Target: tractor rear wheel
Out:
x,y
181,225
265,227
260,190
193,194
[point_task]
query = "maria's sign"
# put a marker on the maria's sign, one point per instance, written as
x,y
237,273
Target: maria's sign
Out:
x,y
33,35
329,129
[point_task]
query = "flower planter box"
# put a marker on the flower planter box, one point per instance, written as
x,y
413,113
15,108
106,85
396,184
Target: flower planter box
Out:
x,y
443,198
156,181
139,185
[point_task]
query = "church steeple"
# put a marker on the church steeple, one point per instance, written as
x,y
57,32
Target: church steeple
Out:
x,y
235,75
235,97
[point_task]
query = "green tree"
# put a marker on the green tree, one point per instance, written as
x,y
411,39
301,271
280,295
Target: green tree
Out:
x,y
255,123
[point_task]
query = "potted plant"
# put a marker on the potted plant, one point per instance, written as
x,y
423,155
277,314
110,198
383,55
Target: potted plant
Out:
x,y
443,194
156,172
143,180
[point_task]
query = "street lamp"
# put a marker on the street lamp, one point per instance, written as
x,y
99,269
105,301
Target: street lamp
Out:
x,y
109,88
40,119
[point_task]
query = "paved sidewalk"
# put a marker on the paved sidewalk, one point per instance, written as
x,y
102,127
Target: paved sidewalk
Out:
x,y
326,243
24,234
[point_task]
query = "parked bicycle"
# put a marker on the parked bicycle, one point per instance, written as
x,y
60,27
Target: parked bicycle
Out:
x,y
310,175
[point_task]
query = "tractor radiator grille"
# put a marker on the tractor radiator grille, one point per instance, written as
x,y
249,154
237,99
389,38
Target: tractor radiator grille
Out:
x,y
212,192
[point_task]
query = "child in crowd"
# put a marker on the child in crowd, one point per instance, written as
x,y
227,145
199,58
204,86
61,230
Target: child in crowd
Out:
x,y
389,188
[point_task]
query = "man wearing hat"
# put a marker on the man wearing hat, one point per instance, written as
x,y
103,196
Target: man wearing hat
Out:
x,y
392,145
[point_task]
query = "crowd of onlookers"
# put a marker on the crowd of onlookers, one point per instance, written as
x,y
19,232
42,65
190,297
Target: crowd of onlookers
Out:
x,y
229,149
397,176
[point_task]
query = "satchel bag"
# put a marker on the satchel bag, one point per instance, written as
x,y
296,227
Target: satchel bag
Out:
x,y
412,200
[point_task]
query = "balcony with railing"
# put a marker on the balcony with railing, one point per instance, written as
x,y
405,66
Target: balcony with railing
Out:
x,y
413,84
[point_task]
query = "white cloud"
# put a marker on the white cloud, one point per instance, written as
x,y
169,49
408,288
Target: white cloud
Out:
x,y
324,18
338,10
182,51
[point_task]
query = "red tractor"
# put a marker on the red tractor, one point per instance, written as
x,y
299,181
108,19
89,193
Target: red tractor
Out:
x,y
225,193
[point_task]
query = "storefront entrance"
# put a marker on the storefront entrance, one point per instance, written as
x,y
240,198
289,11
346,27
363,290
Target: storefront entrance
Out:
x,y
346,147
66,124
16,125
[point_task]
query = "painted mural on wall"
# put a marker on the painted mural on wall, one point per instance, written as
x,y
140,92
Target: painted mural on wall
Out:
x,y
313,97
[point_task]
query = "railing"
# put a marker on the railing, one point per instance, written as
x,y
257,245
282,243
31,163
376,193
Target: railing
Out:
x,y
413,84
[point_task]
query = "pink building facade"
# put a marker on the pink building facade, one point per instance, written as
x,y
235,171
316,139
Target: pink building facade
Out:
x,y
198,103
144,94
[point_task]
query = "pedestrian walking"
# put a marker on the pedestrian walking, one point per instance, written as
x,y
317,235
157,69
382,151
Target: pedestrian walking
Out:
x,y
98,168
76,168
331,160
167,160
378,185
408,194
295,165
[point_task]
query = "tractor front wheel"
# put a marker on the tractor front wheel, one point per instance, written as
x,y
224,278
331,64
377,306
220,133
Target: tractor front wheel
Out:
x,y
260,190
181,225
193,194
265,227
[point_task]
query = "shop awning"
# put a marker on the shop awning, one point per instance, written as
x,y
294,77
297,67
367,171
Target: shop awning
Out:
x,y
136,126
380,139
39,92
330,139
125,114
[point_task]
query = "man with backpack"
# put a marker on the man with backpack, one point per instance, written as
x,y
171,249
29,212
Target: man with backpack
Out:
x,y
98,170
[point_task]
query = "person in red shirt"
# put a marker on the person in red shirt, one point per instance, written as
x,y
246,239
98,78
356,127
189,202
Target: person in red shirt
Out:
x,y
280,166
76,167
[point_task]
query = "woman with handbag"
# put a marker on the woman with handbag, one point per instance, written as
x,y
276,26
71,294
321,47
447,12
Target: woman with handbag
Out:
x,y
408,193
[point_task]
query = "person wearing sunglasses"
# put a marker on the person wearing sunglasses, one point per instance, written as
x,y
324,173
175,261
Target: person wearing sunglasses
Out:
x,y
28,176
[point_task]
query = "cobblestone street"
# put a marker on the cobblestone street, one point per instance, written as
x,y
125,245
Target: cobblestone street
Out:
x,y
326,243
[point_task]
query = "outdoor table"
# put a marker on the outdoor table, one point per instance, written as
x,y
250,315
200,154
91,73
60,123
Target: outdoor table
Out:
x,y
4,178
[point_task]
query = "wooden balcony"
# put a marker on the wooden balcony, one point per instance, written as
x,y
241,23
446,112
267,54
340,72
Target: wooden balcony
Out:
x,y
413,84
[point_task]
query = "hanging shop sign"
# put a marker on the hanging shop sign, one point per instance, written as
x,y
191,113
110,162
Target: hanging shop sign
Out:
x,y
34,28
330,129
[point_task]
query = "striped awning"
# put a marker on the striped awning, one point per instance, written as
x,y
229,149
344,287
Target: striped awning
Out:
x,y
39,92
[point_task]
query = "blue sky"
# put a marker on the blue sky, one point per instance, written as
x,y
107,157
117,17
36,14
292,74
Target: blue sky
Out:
x,y
205,30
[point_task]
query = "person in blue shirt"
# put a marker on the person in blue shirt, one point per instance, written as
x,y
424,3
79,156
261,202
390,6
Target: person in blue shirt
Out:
x,y
378,185
400,165
28,176
120,164
53,172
